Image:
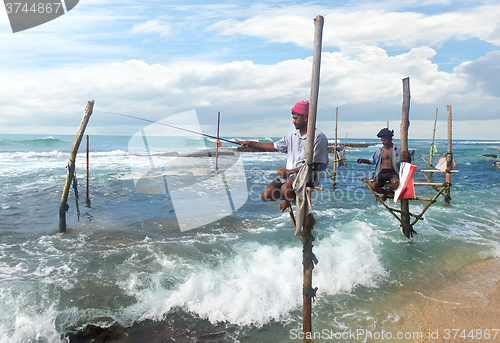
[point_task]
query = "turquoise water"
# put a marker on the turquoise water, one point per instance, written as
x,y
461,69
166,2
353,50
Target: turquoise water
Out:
x,y
240,276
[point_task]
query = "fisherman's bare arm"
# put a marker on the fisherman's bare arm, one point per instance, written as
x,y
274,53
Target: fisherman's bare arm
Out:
x,y
266,146
363,160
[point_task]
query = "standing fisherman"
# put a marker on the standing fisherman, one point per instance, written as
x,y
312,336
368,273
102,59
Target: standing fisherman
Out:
x,y
294,145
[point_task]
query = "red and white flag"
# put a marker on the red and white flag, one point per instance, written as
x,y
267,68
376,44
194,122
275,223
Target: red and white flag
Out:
x,y
406,190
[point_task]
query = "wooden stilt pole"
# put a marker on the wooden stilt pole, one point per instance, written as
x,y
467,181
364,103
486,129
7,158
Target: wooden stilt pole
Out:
x,y
449,159
87,202
71,166
405,123
308,258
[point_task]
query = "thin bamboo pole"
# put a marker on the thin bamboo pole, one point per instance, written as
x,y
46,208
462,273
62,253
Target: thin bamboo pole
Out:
x,y
87,202
71,165
433,136
308,258
449,159
335,150
437,184
405,123
439,171
217,143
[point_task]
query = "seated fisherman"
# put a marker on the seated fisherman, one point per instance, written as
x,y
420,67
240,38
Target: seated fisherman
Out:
x,y
387,160
294,145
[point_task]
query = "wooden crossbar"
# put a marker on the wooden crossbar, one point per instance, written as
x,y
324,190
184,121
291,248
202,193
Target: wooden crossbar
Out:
x,y
417,217
438,171
428,184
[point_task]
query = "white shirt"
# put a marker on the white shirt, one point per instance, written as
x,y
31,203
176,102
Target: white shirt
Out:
x,y
294,145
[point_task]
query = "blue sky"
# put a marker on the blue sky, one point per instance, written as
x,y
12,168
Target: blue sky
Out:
x,y
252,61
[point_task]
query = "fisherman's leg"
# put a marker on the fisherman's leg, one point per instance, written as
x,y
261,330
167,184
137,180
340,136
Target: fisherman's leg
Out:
x,y
378,187
288,195
271,193
394,184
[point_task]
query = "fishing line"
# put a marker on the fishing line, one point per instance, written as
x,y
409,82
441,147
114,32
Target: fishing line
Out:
x,y
174,127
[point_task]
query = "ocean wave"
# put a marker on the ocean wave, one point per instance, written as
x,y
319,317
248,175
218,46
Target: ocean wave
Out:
x,y
37,142
55,154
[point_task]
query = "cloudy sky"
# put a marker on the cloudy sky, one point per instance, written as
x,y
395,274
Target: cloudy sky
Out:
x,y
252,61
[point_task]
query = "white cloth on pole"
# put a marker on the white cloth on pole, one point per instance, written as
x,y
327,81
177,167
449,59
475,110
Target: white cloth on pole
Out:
x,y
302,202
441,165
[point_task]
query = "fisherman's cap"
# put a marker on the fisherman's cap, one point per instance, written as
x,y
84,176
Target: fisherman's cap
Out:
x,y
385,133
302,108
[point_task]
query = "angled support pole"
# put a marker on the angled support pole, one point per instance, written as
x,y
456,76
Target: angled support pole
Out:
x,y
391,210
431,201
71,166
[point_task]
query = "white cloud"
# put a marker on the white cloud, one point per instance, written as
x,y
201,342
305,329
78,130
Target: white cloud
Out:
x,y
483,75
48,78
152,26
255,99
345,27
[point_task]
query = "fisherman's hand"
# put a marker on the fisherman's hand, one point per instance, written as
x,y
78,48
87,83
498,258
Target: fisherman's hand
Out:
x,y
361,160
283,172
406,155
245,144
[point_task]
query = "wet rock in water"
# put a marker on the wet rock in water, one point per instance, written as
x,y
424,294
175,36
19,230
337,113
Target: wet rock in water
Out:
x,y
93,333
151,332
209,154
249,149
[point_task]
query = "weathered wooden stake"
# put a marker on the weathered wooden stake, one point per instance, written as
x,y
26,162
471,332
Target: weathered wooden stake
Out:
x,y
449,159
87,202
405,123
71,166
308,258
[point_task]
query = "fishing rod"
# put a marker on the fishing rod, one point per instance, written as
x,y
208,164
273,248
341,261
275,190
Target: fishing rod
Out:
x,y
174,127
